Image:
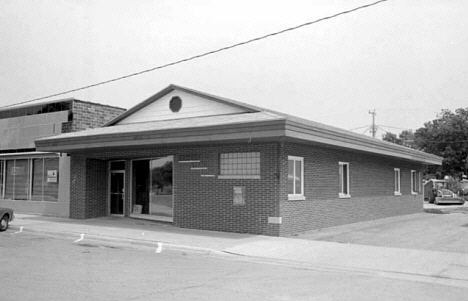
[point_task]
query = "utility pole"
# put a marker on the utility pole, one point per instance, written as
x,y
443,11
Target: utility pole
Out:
x,y
373,129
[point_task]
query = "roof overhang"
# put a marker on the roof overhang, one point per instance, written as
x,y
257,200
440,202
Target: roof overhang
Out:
x,y
20,155
342,139
238,132
231,132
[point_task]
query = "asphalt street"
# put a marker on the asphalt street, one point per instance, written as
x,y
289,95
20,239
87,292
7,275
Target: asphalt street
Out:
x,y
40,267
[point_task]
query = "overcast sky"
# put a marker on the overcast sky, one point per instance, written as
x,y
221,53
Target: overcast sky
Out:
x,y
407,59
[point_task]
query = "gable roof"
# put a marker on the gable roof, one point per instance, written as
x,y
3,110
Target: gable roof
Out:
x,y
255,123
172,87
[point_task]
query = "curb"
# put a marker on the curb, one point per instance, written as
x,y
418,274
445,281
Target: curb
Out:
x,y
424,278
155,244
438,211
130,241
446,210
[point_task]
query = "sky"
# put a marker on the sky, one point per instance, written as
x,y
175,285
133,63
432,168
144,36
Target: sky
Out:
x,y
408,60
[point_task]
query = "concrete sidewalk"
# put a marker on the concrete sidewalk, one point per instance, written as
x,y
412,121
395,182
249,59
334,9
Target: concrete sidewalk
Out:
x,y
445,209
445,268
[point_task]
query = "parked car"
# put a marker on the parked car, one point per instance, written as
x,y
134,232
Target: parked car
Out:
x,y
464,187
6,215
445,196
431,188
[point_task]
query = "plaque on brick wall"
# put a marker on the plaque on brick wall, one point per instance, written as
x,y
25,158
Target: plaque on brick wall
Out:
x,y
239,195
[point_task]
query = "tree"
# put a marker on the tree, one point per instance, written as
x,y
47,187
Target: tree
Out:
x,y
447,136
162,177
391,137
405,138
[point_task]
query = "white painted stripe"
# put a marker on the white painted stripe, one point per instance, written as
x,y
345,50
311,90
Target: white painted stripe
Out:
x,y
207,175
20,230
159,248
81,238
190,161
198,168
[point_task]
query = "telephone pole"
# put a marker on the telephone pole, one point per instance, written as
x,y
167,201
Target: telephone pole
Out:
x,y
373,129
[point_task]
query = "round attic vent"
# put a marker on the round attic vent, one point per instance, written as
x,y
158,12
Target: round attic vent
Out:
x,y
175,104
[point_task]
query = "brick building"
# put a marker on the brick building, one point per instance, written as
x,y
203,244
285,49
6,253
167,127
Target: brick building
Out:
x,y
39,182
206,162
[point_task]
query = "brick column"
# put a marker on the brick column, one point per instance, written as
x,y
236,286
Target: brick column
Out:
x,y
88,187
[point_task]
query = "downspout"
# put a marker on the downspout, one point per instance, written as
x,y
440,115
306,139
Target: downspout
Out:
x,y
279,160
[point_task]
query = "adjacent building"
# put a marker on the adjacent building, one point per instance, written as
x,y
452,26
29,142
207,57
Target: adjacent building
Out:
x,y
202,161
33,181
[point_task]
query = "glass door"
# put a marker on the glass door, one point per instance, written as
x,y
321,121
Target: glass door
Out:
x,y
161,188
152,188
117,190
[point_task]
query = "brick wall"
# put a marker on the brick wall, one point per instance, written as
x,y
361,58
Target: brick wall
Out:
x,y
88,193
96,188
199,202
371,188
78,187
88,115
207,202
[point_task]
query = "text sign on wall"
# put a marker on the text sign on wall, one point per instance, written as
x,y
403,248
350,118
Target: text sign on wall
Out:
x,y
52,176
16,171
239,195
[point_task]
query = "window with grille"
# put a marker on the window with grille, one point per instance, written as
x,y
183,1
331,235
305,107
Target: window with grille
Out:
x,y
239,164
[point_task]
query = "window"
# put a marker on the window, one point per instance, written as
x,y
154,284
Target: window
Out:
x,y
20,172
1,179
38,183
175,104
38,109
29,179
9,178
397,181
415,188
239,165
117,165
50,179
344,180
295,178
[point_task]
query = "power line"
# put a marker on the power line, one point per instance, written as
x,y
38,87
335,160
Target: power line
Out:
x,y
380,128
200,55
361,127
394,127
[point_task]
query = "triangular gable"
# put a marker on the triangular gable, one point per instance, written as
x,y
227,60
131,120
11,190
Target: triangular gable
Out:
x,y
176,102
